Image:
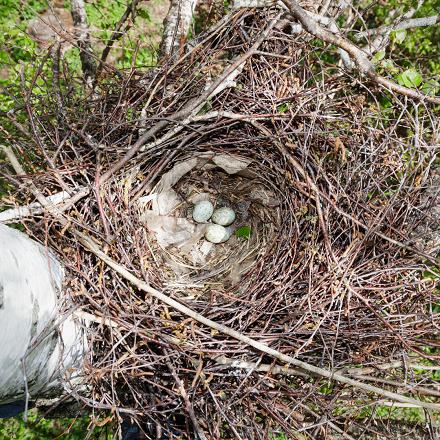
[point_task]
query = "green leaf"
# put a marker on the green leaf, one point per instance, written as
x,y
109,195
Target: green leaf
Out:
x,y
389,65
378,56
410,78
282,108
431,87
399,36
244,232
143,13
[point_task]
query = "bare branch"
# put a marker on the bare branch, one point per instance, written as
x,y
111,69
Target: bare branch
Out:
x,y
359,57
117,33
405,24
382,40
63,198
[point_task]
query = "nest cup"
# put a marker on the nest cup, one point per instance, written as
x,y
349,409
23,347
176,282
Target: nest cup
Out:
x,y
186,258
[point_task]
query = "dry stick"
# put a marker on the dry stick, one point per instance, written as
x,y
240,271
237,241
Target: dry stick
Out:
x,y
212,32
188,405
62,199
405,24
192,105
131,7
329,423
317,191
34,190
359,57
277,369
89,244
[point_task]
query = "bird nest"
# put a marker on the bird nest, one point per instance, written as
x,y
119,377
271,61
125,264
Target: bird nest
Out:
x,y
325,182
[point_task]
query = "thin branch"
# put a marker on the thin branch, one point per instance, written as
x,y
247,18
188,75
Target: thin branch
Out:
x,y
62,198
359,57
382,40
405,24
117,33
188,405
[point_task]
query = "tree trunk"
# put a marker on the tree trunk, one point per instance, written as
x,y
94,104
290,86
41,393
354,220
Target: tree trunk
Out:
x,y
176,26
40,350
82,32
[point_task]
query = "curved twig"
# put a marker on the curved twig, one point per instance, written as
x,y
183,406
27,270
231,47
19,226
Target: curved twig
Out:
x,y
359,57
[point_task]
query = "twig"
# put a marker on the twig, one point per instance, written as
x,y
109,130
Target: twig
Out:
x,y
45,202
116,34
188,405
253,366
409,388
62,198
389,366
360,58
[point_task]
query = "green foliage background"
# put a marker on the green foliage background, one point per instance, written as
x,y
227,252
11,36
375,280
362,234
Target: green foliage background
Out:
x,y
48,429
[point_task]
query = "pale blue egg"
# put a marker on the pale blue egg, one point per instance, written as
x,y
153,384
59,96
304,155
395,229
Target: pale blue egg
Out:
x,y
203,211
223,216
215,233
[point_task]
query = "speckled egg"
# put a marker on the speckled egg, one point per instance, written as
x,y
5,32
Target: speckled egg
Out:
x,y
202,211
216,234
223,216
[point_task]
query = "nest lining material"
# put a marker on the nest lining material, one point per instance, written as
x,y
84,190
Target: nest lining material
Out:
x,y
181,254
324,279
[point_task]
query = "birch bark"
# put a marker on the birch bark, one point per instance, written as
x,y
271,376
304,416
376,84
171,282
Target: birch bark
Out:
x,y
40,351
176,25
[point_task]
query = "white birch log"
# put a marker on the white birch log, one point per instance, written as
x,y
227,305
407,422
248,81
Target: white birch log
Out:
x,y
39,349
